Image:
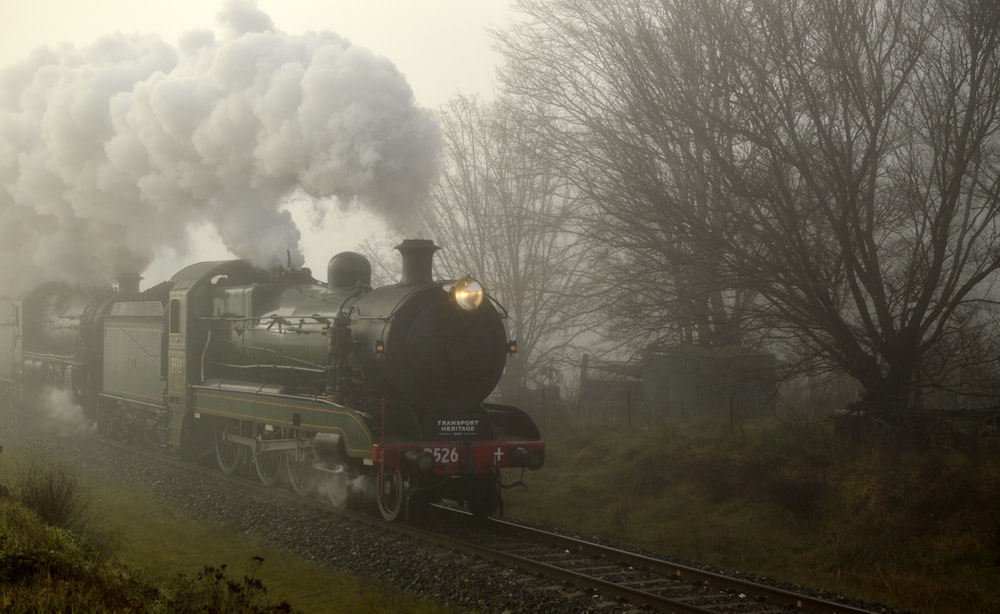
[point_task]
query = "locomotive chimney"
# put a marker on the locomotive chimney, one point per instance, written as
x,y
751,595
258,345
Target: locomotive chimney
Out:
x,y
418,255
128,283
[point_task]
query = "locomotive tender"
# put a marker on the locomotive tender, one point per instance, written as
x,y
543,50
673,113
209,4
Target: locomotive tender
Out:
x,y
274,371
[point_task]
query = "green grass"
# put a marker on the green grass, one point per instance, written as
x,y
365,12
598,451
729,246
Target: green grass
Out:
x,y
162,544
153,547
913,529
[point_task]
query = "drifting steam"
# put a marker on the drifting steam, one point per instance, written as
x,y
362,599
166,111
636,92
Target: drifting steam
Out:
x,y
65,416
338,488
111,151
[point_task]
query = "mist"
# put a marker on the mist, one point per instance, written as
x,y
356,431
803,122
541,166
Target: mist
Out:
x,y
113,152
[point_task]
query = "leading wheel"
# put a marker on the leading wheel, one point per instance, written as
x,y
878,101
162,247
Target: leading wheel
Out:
x,y
391,494
230,454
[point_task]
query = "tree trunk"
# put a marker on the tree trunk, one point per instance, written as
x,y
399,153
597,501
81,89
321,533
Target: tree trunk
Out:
x,y
893,389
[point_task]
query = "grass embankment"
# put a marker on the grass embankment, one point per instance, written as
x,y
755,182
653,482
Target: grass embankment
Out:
x,y
912,528
75,543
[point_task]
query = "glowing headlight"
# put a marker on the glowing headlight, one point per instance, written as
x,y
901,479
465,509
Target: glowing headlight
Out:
x,y
468,293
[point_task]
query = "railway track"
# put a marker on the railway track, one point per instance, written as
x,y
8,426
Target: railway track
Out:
x,y
616,579
627,577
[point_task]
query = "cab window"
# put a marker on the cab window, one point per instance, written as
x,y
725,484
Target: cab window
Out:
x,y
175,316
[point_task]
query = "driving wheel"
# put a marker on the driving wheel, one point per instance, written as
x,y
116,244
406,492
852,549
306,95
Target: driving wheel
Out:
x,y
268,464
229,454
301,474
391,493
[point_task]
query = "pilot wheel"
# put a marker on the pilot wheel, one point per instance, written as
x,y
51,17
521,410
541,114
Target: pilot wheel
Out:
x,y
391,495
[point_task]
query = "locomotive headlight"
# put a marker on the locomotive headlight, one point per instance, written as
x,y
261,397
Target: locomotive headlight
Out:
x,y
468,293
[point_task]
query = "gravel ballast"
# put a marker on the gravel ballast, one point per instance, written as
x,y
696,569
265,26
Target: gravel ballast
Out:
x,y
323,538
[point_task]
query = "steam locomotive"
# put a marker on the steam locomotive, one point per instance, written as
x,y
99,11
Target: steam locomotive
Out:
x,y
274,372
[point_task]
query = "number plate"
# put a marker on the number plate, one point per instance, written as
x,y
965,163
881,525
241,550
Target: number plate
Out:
x,y
444,455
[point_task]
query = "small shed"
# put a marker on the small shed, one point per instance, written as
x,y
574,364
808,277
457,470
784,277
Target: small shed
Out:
x,y
719,380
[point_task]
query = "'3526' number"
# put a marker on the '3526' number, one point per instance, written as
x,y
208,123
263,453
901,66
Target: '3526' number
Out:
x,y
444,455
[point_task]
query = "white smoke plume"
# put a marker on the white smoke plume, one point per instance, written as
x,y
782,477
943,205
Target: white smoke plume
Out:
x,y
111,151
64,415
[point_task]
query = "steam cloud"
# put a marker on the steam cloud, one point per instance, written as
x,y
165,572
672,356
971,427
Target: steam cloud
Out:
x,y
64,415
338,487
111,151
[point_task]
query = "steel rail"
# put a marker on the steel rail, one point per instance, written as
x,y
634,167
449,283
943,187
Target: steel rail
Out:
x,y
753,590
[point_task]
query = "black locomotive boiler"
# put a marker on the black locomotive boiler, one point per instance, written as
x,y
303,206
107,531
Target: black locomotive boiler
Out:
x,y
272,371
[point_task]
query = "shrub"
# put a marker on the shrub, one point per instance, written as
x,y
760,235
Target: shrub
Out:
x,y
50,569
213,591
52,492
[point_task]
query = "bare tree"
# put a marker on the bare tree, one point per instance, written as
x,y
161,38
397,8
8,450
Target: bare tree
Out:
x,y
599,75
502,214
822,173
